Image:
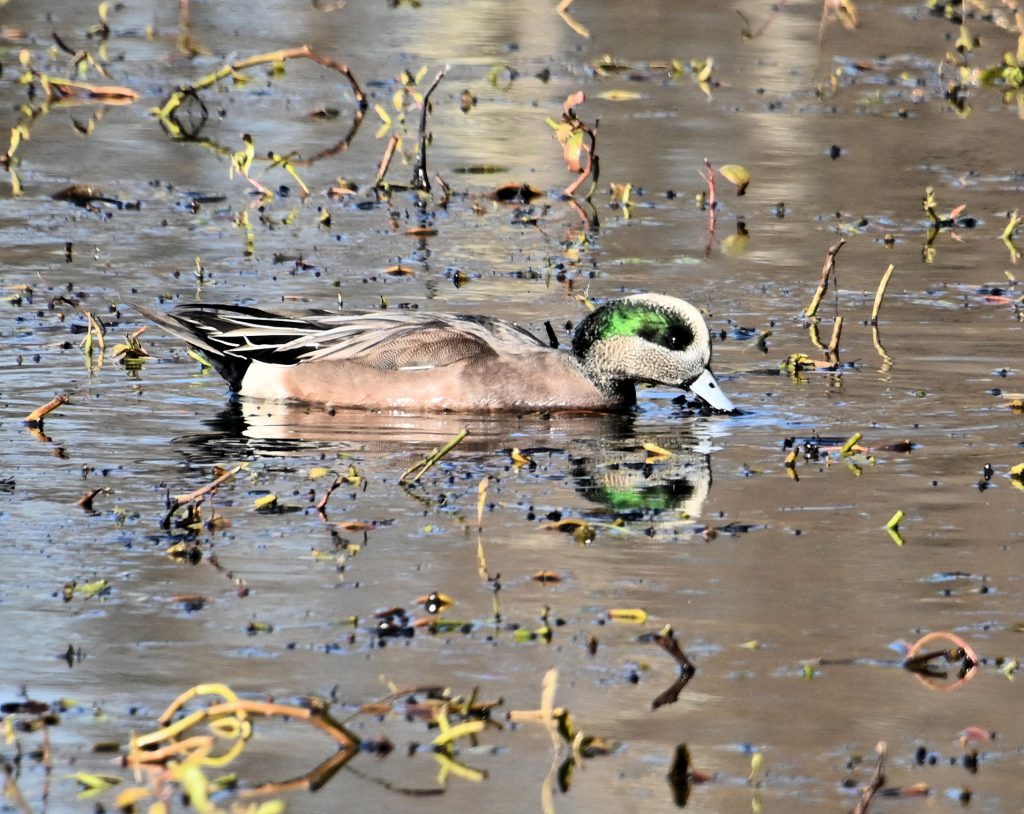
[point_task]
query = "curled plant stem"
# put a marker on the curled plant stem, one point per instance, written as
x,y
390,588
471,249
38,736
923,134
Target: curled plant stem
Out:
x,y
174,101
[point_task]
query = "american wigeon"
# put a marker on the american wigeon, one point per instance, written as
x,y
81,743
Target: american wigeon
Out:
x,y
419,362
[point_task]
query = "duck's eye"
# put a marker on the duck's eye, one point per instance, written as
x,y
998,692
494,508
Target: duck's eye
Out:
x,y
673,337
677,337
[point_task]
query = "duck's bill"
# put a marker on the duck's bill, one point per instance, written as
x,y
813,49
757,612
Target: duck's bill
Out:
x,y
707,389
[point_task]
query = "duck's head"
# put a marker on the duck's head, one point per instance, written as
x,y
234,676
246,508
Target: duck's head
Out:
x,y
648,338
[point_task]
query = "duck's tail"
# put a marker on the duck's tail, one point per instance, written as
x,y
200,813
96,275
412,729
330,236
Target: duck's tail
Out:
x,y
233,336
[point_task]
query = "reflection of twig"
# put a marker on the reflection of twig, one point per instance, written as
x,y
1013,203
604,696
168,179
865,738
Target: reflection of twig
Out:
x,y
420,180
887,360
751,35
12,792
919,661
166,111
569,20
589,218
833,344
679,775
877,779
666,640
341,146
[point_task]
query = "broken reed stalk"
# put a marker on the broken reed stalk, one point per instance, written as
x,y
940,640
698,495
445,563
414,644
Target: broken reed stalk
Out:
x,y
176,503
35,418
322,503
833,343
881,293
712,205
826,273
710,178
435,456
877,780
385,162
85,501
94,325
420,179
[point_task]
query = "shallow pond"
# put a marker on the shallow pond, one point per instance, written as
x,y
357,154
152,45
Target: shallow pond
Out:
x,y
781,583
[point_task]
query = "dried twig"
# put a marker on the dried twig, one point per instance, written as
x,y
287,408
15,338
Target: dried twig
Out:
x,y
35,418
826,273
175,503
385,162
321,505
85,501
420,179
867,794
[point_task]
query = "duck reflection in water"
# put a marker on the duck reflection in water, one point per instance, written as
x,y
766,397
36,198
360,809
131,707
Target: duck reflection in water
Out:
x,y
600,455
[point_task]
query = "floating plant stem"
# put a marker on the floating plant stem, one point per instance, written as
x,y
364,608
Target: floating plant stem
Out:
x,y
435,456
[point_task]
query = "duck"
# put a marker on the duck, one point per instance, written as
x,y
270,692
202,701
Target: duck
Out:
x,y
408,361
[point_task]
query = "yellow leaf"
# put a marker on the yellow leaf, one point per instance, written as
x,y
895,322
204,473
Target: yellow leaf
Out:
x,y
97,588
318,472
519,458
265,503
738,175
635,615
894,521
851,442
95,782
128,798
620,95
655,449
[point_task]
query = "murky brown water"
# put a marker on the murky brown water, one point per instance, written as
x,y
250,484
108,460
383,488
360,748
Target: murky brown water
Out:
x,y
802,566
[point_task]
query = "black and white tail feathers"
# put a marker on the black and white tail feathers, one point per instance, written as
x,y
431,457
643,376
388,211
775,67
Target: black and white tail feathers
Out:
x,y
233,336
